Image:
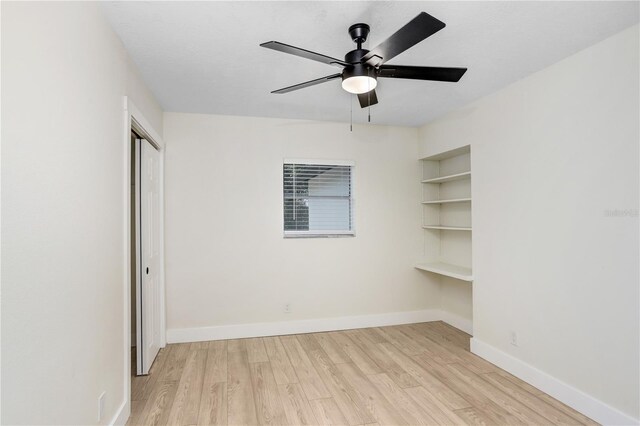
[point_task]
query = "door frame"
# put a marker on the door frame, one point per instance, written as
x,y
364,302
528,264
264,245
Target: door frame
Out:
x,y
135,120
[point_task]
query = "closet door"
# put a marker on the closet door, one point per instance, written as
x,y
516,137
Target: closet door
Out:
x,y
149,299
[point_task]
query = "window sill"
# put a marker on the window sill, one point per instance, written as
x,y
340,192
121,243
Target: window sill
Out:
x,y
315,235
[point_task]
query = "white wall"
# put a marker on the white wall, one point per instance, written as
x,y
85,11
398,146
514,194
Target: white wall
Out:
x,y
64,76
227,260
551,155
456,302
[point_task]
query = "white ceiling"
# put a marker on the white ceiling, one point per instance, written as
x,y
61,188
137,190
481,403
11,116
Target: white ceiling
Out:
x,y
203,57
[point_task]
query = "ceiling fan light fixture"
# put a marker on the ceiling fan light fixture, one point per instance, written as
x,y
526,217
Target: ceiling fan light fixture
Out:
x,y
359,84
358,80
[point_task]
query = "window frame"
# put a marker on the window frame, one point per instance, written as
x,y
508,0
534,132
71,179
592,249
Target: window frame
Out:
x,y
320,233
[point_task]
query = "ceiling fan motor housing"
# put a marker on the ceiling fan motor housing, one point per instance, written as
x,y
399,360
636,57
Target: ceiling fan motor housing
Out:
x,y
358,70
355,56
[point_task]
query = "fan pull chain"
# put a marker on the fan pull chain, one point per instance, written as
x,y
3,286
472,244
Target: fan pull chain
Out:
x,y
351,122
369,94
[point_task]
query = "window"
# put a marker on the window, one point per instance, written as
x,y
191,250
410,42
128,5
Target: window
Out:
x,y
318,198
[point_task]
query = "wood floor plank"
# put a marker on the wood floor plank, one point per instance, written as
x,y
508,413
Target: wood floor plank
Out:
x,y
236,345
430,347
269,408
327,412
437,346
140,386
213,401
240,403
509,404
442,414
175,362
357,355
403,342
311,382
374,335
462,388
411,411
186,402
296,406
195,346
215,370
213,404
464,336
256,350
475,363
331,348
378,406
446,395
548,411
453,335
581,418
477,417
520,383
382,359
282,369
446,348
156,410
350,402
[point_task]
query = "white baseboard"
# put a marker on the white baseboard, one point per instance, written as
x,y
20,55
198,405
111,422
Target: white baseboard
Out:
x,y
574,398
240,331
457,321
121,416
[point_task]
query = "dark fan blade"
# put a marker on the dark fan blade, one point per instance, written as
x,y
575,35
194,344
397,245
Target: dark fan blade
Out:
x,y
419,28
422,73
292,50
308,83
368,98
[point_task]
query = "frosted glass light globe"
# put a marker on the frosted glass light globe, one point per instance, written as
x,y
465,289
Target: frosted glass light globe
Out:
x,y
359,84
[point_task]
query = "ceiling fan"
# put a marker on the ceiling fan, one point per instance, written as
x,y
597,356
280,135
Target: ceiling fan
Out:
x,y
361,68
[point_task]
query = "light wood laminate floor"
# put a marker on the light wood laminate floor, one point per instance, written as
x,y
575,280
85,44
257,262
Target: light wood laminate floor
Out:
x,y
417,374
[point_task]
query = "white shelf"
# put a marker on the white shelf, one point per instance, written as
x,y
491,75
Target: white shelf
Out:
x,y
448,228
453,271
448,154
449,178
455,200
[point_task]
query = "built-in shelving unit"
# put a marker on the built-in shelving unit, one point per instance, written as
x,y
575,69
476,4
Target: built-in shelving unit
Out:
x,y
446,214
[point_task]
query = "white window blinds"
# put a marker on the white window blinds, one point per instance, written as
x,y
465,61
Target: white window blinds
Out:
x,y
318,199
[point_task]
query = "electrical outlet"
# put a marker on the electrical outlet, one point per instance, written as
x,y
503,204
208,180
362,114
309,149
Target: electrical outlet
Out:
x,y
287,308
514,338
101,399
